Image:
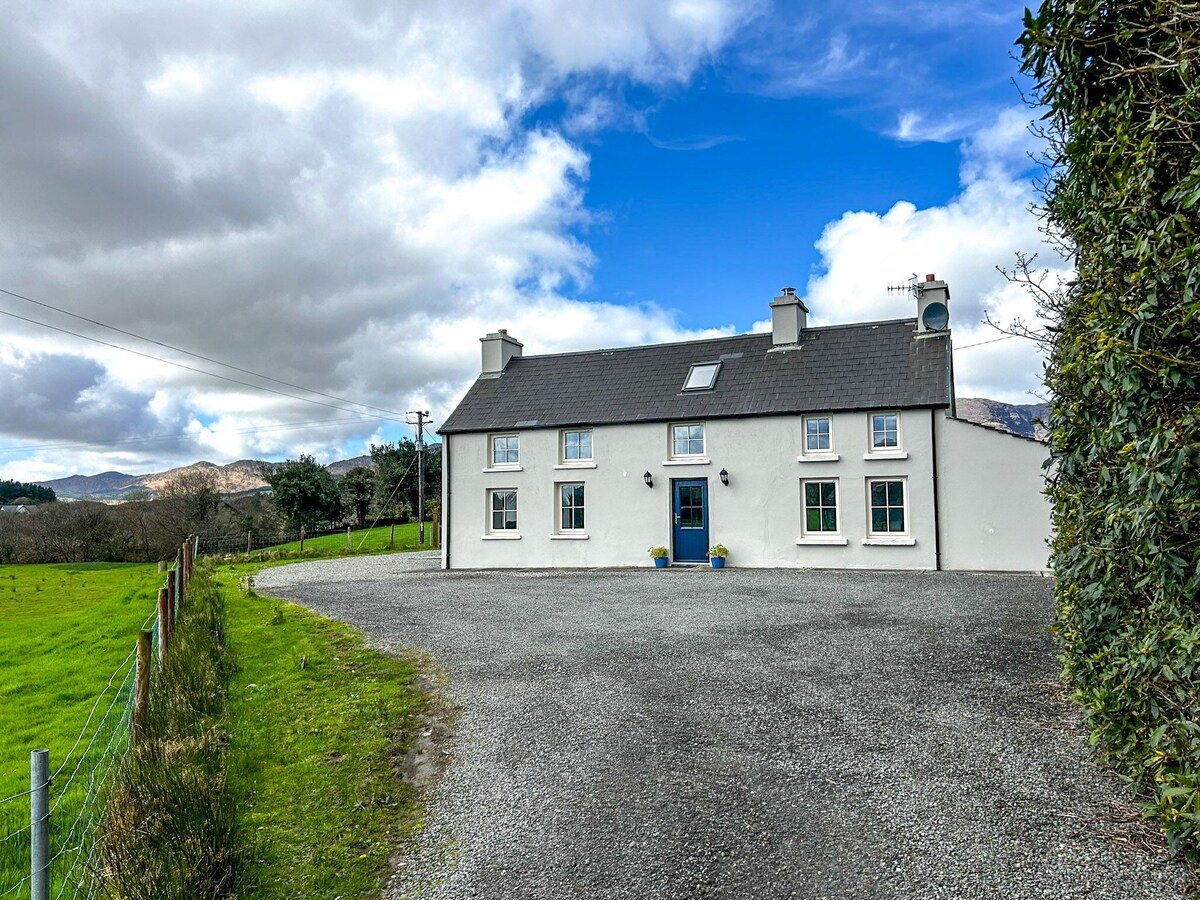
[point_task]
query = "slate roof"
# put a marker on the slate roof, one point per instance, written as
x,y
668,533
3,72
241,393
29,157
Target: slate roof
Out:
x,y
874,365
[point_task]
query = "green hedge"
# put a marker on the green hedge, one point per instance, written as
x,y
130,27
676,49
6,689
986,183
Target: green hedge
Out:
x,y
1120,84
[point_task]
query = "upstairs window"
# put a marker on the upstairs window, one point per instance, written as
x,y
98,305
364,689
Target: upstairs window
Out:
x,y
818,434
702,376
687,440
577,446
885,432
505,450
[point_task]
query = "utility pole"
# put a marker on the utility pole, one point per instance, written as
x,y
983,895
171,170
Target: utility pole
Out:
x,y
422,418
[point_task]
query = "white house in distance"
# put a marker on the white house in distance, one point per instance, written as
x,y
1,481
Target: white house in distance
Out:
x,y
831,447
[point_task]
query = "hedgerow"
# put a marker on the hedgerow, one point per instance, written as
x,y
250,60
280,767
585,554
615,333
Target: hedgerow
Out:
x,y
1120,84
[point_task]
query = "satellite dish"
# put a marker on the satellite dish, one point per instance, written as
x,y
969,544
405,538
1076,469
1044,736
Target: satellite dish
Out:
x,y
935,317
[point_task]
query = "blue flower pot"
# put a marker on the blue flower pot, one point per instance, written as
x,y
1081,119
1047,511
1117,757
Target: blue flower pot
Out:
x,y
718,562
660,562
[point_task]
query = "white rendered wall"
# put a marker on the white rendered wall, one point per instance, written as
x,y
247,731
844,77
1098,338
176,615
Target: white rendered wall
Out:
x,y
758,516
995,516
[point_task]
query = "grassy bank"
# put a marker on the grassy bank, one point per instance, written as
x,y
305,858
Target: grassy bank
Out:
x,y
320,726
169,828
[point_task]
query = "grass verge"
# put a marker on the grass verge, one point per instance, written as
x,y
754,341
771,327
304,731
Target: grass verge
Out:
x,y
320,727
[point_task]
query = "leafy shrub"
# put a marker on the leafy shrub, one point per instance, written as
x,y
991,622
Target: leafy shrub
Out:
x,y
1123,192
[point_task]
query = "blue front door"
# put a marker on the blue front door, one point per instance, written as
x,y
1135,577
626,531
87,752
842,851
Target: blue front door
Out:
x,y
691,519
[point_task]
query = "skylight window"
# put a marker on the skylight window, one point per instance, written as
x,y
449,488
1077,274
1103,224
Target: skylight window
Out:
x,y
702,377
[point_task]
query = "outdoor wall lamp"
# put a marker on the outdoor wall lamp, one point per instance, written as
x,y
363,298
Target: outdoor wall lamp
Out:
x,y
648,479
724,478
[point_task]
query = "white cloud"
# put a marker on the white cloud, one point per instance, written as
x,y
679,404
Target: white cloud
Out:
x,y
342,195
962,242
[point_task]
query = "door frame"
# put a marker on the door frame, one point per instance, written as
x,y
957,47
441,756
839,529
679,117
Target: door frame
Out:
x,y
675,482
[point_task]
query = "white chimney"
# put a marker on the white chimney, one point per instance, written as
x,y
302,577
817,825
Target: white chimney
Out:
x,y
498,349
933,307
788,318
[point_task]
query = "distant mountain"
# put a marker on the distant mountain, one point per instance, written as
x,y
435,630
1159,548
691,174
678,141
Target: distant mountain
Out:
x,y
241,477
1014,418
341,467
106,484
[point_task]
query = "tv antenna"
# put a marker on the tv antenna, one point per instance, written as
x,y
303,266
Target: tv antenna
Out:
x,y
912,287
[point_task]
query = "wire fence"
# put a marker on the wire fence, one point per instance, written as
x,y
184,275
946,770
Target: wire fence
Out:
x,y
74,793
249,541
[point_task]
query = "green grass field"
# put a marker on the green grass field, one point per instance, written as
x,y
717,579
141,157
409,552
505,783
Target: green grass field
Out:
x,y
319,722
363,540
64,630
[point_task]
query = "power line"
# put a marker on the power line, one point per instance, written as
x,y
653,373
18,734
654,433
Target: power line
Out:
x,y
171,347
992,341
256,387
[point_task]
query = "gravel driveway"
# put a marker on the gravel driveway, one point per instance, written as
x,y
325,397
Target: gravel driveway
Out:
x,y
746,733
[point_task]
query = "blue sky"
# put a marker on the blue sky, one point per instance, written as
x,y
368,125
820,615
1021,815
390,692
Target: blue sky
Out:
x,y
344,196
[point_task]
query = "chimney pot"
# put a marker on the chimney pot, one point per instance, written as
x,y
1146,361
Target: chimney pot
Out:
x,y
931,278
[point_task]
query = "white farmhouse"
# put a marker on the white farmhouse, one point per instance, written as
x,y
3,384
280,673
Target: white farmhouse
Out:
x,y
832,447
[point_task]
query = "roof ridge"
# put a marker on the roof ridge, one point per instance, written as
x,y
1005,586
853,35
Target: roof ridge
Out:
x,y
728,337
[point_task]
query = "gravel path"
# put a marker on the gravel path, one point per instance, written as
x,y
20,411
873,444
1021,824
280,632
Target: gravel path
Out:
x,y
746,733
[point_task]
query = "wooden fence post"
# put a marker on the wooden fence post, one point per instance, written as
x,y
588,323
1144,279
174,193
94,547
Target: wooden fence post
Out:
x,y
180,584
141,691
301,538
435,539
164,624
249,540
349,545
392,538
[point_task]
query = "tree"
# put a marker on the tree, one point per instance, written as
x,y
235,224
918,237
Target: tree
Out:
x,y
305,493
188,502
358,487
1119,82
396,475
24,492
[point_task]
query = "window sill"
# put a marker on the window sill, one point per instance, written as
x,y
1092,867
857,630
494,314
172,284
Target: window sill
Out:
x,y
891,454
889,542
686,461
568,537
830,541
578,465
502,536
818,457
504,469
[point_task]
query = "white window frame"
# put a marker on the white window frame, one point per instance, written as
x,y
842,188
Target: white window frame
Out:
x,y
564,532
821,537
897,452
889,537
563,462
502,534
491,465
684,458
807,455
